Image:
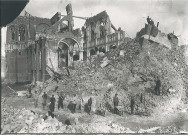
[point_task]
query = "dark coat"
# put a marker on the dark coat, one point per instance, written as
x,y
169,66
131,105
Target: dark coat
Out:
x,y
158,83
90,101
44,96
61,98
116,101
52,100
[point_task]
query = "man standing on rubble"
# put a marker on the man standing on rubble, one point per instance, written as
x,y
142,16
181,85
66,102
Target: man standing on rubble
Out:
x,y
148,19
89,105
157,87
116,101
60,101
74,103
52,103
44,97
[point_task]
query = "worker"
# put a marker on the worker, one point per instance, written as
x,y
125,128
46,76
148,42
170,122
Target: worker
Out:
x,y
30,88
36,99
44,97
52,103
157,87
89,105
151,22
141,98
116,101
29,95
60,101
74,103
148,19
132,105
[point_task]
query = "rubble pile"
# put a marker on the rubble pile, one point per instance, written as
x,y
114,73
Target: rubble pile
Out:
x,y
130,74
168,130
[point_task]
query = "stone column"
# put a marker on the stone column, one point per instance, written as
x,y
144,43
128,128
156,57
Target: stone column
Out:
x,y
81,57
88,53
117,37
74,52
43,60
35,30
33,63
106,48
106,42
28,32
37,60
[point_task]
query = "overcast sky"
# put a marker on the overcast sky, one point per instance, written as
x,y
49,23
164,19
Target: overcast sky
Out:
x,y
130,15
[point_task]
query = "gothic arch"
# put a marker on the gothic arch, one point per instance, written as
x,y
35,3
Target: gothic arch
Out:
x,y
63,40
22,32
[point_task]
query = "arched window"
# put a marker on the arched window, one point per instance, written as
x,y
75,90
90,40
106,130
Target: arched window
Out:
x,y
13,33
21,33
92,31
75,57
102,21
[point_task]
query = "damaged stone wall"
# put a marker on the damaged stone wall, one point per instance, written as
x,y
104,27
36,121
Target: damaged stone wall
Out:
x,y
51,54
20,36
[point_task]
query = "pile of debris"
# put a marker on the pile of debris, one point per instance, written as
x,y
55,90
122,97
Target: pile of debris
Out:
x,y
131,73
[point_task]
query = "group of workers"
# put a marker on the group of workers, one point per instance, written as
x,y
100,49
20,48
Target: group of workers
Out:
x,y
116,103
132,102
61,98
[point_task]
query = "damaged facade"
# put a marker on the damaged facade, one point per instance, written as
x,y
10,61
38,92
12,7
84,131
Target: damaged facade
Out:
x,y
98,36
21,48
36,45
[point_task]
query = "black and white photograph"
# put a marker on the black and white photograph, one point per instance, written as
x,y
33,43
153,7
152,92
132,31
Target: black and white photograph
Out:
x,y
94,66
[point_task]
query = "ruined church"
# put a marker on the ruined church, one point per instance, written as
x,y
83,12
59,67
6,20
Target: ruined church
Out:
x,y
34,45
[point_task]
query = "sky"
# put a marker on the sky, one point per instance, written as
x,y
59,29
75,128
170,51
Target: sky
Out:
x,y
130,15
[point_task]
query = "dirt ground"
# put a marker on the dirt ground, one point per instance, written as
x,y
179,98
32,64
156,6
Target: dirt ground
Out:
x,y
135,123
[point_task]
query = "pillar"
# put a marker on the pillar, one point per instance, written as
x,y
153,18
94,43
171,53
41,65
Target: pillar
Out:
x,y
16,64
117,37
35,30
29,63
37,59
95,42
106,42
106,48
81,55
28,32
88,53
33,63
43,59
